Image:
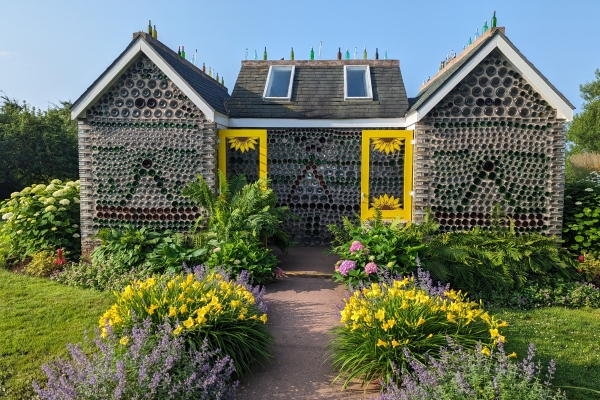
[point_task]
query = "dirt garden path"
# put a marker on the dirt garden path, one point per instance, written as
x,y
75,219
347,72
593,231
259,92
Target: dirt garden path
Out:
x,y
303,307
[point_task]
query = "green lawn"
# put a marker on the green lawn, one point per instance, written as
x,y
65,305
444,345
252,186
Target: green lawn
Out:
x,y
570,337
37,319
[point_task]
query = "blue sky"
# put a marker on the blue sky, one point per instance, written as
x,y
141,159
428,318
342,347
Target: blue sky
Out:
x,y
53,50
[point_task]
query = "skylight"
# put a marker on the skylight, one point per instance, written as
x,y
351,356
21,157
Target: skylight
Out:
x,y
357,82
279,82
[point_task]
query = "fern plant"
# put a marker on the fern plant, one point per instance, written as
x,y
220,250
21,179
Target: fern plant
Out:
x,y
238,208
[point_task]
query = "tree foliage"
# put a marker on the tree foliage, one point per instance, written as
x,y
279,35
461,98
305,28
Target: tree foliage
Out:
x,y
584,131
35,146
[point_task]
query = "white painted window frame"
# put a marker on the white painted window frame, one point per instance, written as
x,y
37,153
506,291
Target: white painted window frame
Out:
x,y
367,70
269,82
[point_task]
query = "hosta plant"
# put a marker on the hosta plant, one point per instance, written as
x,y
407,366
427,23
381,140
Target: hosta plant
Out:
x,y
243,254
380,320
42,217
200,305
143,362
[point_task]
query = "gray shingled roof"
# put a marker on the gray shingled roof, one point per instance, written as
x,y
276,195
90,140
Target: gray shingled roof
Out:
x,y
318,91
441,80
213,93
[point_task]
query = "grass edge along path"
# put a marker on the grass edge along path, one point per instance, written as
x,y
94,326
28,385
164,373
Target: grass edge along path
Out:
x,y
38,318
570,337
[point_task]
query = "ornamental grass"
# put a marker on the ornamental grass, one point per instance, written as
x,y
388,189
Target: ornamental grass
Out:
x,y
380,320
201,305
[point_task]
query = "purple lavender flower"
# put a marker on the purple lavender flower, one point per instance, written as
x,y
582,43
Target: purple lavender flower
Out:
x,y
356,246
346,266
371,268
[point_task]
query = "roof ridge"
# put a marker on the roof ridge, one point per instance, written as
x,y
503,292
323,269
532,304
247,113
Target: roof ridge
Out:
x,y
463,54
186,62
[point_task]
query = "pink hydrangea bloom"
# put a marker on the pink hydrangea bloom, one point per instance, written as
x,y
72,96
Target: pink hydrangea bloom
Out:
x,y
346,266
355,246
371,268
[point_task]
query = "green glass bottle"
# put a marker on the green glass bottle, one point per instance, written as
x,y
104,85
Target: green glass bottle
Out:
x,y
265,54
470,42
365,54
149,27
222,81
217,78
312,53
494,20
292,54
347,53
485,27
154,33
255,55
182,51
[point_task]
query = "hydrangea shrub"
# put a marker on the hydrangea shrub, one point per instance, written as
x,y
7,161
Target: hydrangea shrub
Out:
x,y
42,217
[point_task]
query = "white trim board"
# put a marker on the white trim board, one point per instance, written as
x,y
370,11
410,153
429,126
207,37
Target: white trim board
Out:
x,y
533,78
316,123
141,46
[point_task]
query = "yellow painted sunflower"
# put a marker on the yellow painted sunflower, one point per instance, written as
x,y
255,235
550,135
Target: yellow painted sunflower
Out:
x,y
386,202
388,145
243,144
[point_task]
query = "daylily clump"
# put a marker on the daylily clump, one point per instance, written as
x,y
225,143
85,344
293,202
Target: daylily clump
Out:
x,y
381,319
201,305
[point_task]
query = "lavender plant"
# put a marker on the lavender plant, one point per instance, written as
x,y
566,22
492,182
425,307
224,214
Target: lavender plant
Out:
x,y
473,374
142,364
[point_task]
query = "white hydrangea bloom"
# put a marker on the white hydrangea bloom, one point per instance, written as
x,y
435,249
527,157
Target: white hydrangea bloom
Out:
x,y
56,181
76,235
50,209
64,202
7,215
27,190
62,209
19,232
578,203
75,200
14,194
50,188
75,226
50,200
586,189
58,193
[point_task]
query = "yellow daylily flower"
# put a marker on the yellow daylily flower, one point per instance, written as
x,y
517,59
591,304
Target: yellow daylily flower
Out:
x,y
189,323
124,340
485,351
512,355
381,343
395,343
263,318
177,330
152,308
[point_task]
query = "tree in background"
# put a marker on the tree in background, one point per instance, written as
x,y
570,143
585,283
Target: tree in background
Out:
x,y
584,131
35,146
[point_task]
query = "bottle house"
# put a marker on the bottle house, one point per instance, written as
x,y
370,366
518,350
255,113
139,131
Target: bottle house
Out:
x,y
335,137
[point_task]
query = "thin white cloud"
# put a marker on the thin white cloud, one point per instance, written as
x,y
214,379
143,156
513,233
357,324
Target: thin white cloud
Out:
x,y
7,53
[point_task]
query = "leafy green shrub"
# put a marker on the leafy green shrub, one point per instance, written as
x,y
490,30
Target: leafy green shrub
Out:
x,y
147,362
99,276
42,217
244,254
373,247
590,269
472,375
581,217
43,263
481,262
201,305
557,293
380,320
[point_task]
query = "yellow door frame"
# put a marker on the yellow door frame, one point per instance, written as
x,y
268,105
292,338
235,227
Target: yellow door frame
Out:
x,y
405,212
260,134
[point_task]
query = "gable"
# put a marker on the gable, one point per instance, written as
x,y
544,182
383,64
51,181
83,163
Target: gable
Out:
x,y
494,88
495,42
144,91
207,94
